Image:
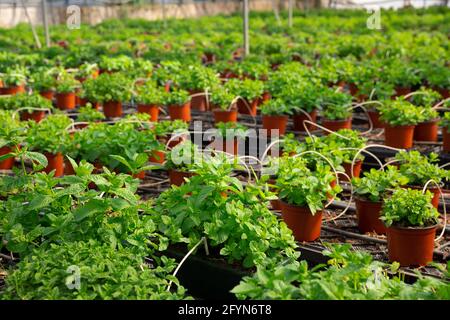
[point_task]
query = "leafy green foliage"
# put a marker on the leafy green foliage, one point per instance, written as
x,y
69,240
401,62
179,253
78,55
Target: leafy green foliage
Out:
x,y
66,82
112,87
409,208
119,63
400,112
247,88
445,122
12,131
231,130
198,77
275,107
222,98
24,101
50,135
150,94
43,79
88,114
336,105
176,97
14,76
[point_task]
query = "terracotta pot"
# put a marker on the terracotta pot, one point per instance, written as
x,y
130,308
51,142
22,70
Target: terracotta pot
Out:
x,y
227,145
12,90
304,225
243,109
445,93
34,115
157,156
353,89
225,115
176,177
198,102
68,169
402,91
55,162
445,139
152,110
433,189
274,123
180,112
8,163
399,136
411,246
47,94
335,125
368,213
299,118
140,175
65,101
112,109
427,131
356,169
375,117
276,204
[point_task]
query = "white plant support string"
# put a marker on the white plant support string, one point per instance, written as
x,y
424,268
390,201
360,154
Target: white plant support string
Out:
x,y
206,94
247,106
443,201
268,148
361,105
187,256
181,135
437,105
320,127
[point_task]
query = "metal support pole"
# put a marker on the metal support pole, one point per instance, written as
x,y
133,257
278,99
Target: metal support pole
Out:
x,y
33,30
45,19
290,13
275,11
246,37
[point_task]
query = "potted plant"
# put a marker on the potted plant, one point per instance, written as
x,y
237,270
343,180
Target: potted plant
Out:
x,y
400,118
88,114
112,90
250,93
115,64
376,91
11,135
179,160
179,104
149,100
50,137
87,71
275,115
89,93
135,163
445,123
66,85
165,130
44,82
13,80
303,194
419,169
427,128
227,137
199,80
411,223
337,110
223,105
370,191
404,76
31,106
438,78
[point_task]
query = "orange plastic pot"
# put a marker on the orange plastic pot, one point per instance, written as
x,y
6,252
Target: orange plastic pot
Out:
x,y
274,123
35,115
298,120
368,213
335,125
304,225
55,162
150,109
198,101
427,131
8,163
47,94
112,109
225,115
12,90
140,175
356,169
276,204
243,109
433,189
68,169
180,112
411,246
445,93
445,139
65,101
176,177
157,156
375,118
399,136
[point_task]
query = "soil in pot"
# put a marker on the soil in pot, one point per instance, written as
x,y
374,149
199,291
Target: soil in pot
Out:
x,y
180,112
298,120
34,115
275,125
176,177
445,140
335,125
198,101
427,131
47,94
304,225
225,115
65,101
348,169
375,118
55,162
157,156
152,110
12,90
112,109
368,213
247,107
399,136
8,163
411,246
